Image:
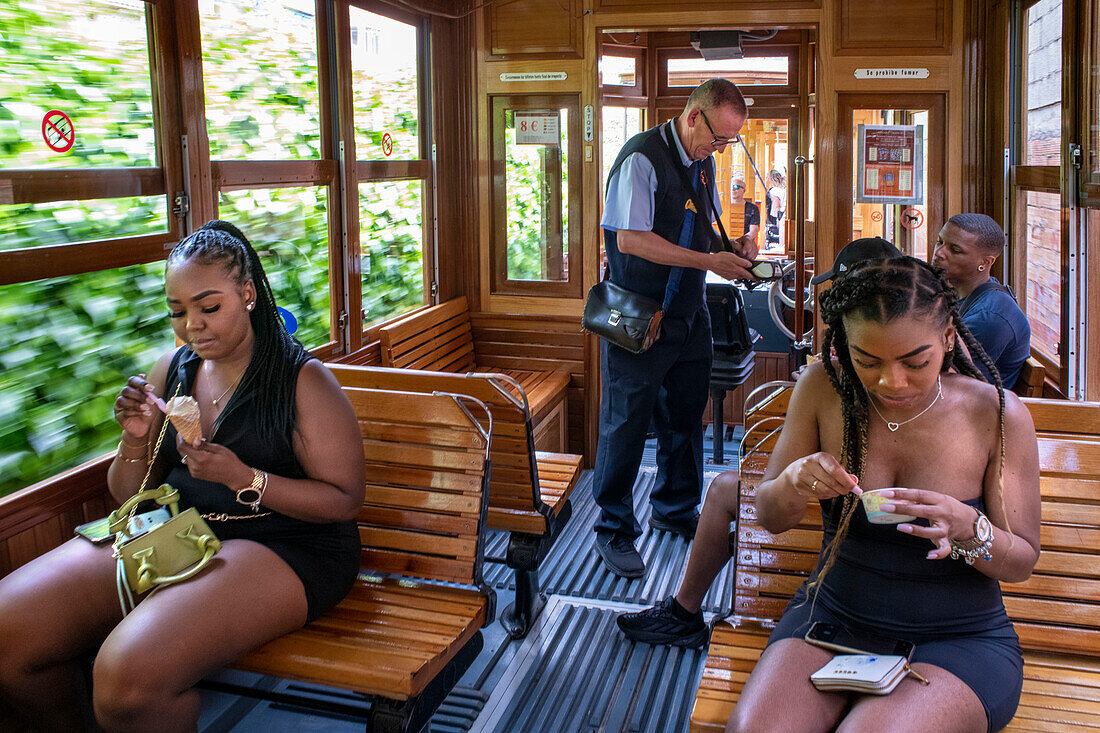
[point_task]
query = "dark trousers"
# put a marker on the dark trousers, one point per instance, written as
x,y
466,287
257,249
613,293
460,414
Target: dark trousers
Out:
x,y
667,384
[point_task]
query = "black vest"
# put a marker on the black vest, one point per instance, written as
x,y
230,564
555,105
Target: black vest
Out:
x,y
669,208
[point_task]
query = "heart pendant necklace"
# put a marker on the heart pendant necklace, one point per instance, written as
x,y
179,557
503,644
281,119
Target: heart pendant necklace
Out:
x,y
895,425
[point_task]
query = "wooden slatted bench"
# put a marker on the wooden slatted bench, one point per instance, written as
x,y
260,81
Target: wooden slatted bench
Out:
x,y
440,338
529,490
411,624
1056,612
1030,381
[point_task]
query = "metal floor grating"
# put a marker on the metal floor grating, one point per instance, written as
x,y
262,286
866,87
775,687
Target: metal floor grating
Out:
x,y
572,568
606,684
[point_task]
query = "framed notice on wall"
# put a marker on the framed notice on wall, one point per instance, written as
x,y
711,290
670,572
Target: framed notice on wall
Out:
x,y
538,128
890,167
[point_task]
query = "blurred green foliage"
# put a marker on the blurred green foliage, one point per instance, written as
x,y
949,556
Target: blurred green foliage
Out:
x,y
524,179
68,344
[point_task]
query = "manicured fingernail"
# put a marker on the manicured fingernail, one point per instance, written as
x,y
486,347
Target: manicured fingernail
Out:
x,y
930,556
907,528
856,490
888,508
889,493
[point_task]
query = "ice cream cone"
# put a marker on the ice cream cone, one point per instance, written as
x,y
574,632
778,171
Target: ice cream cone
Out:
x,y
183,411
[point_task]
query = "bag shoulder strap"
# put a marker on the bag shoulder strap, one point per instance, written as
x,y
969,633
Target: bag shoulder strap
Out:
x,y
703,208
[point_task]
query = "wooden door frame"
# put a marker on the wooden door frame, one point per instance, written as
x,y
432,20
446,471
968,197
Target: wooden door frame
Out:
x,y
935,156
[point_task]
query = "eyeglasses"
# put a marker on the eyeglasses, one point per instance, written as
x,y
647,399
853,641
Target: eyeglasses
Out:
x,y
718,141
737,186
767,270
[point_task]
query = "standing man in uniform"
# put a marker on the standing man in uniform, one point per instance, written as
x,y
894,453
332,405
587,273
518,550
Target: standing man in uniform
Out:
x,y
657,243
967,247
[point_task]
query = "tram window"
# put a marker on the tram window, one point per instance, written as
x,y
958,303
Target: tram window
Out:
x,y
904,224
391,237
1092,113
385,87
619,124
288,227
67,345
745,72
1041,103
89,60
537,198
1042,234
260,80
619,71
765,138
71,222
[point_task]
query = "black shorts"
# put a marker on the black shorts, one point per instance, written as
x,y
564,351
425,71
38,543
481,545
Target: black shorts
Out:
x,y
990,663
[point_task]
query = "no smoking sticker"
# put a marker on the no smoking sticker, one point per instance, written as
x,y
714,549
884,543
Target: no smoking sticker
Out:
x,y
387,145
876,216
58,131
912,218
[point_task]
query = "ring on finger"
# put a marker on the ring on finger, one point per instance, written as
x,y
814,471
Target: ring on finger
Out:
x,y
813,488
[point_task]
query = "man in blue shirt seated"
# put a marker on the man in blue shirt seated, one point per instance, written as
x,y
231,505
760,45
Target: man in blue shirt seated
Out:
x,y
968,246
752,211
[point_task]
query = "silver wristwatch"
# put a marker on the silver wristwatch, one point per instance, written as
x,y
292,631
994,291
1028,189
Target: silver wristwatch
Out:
x,y
978,545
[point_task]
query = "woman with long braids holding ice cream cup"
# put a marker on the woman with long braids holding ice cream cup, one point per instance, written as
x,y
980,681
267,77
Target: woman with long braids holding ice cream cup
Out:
x,y
263,443
928,482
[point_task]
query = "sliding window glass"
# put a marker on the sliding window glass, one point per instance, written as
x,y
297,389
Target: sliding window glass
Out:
x,y
393,169
85,220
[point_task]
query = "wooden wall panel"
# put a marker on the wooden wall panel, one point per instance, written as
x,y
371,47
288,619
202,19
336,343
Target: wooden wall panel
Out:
x,y
541,343
893,27
536,29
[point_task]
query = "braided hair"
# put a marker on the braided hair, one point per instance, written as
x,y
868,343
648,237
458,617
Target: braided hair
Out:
x,y
881,291
276,356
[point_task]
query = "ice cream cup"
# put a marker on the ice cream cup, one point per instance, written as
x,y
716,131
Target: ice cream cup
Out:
x,y
872,500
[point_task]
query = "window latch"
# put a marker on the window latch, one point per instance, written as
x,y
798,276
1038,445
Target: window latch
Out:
x,y
1075,155
181,204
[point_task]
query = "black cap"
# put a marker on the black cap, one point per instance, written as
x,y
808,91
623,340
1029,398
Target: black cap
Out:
x,y
868,248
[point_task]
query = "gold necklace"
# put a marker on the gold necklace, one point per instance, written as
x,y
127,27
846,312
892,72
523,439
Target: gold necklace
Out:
x,y
220,397
895,425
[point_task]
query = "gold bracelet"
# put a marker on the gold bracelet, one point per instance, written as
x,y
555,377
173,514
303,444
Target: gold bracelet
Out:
x,y
252,494
118,452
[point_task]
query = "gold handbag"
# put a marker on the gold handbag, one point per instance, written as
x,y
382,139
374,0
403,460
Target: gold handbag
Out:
x,y
175,550
168,553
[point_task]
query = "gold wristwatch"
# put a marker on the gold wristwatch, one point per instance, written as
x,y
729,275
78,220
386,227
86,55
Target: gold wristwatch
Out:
x,y
251,495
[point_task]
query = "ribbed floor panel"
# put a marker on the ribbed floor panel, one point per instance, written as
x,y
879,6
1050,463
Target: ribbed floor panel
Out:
x,y
606,683
574,569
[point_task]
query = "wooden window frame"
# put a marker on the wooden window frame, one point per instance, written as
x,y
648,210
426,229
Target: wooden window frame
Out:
x,y
636,94
500,283
46,185
665,92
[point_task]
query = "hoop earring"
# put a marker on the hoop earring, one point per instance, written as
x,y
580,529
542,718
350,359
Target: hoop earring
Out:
x,y
981,268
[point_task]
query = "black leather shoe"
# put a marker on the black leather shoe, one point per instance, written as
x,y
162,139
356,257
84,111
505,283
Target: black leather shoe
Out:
x,y
619,555
685,528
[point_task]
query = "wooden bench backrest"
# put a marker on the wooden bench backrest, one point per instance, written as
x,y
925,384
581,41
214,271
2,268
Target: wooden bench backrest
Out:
x,y
1030,381
1057,609
426,471
437,338
514,481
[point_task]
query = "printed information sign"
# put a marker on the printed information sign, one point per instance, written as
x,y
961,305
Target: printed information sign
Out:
x,y
890,166
538,128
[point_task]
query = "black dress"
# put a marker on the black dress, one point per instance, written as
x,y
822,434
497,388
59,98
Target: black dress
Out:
x,y
882,584
324,556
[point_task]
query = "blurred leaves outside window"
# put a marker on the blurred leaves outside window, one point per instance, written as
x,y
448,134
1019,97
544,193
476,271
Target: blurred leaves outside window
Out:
x,y
67,222
537,204
288,228
67,346
385,87
88,59
260,79
391,237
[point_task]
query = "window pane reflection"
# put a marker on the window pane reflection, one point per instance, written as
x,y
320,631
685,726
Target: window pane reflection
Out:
x,y
384,87
537,196
754,71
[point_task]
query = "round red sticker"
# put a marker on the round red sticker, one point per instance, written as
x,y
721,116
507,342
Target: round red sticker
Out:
x,y
876,216
912,218
58,131
387,145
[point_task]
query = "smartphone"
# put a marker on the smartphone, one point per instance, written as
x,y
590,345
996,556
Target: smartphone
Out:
x,y
97,531
839,639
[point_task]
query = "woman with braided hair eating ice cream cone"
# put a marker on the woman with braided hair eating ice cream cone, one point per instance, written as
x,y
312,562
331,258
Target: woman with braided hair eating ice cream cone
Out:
x,y
263,443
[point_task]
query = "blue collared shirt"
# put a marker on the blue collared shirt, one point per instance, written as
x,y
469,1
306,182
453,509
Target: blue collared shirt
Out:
x,y
624,206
